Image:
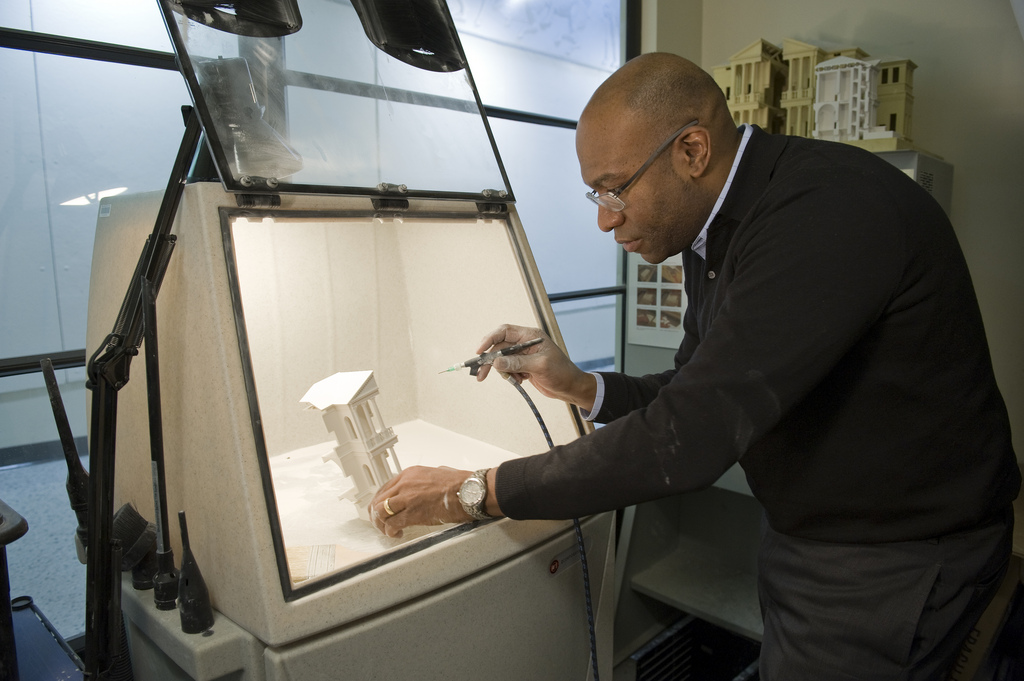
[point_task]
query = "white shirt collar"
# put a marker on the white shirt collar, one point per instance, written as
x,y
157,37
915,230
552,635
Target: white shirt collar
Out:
x,y
701,241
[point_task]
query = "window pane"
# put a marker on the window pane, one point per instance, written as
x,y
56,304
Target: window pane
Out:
x,y
124,22
27,278
542,57
106,129
588,328
84,130
571,252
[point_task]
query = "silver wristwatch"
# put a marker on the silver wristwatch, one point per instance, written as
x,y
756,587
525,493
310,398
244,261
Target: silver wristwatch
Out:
x,y
473,494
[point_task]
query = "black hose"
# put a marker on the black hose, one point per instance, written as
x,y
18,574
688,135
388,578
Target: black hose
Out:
x,y
579,534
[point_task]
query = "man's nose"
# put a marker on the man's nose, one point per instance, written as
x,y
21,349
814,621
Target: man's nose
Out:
x,y
607,220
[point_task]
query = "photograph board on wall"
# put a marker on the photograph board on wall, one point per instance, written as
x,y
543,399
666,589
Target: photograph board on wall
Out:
x,y
655,302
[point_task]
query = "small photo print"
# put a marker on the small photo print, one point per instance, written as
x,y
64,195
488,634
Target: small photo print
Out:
x,y
671,297
647,318
670,320
647,273
647,296
672,274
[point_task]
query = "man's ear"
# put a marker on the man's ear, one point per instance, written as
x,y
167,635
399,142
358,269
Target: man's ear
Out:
x,y
691,152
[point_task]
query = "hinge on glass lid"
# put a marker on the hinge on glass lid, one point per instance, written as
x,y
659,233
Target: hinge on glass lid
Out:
x,y
387,203
390,205
493,207
258,200
484,208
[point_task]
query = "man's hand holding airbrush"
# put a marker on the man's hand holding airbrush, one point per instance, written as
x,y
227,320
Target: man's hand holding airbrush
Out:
x,y
544,365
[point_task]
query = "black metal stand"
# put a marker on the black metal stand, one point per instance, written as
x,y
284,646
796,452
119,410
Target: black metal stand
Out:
x,y
165,581
108,371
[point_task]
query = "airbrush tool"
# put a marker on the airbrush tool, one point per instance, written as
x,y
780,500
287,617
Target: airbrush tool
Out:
x,y
488,358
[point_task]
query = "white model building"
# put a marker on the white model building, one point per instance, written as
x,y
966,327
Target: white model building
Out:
x,y
847,100
365,448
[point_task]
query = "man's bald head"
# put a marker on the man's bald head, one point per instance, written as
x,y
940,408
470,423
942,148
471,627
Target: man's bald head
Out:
x,y
660,92
631,123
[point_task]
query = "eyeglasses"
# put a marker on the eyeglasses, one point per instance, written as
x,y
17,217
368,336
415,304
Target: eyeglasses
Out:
x,y
610,199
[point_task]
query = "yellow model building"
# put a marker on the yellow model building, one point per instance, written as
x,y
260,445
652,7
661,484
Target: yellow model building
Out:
x,y
896,97
798,95
753,83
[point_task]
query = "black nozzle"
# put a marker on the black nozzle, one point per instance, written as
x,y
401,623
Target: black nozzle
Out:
x,y
144,573
136,534
165,583
193,596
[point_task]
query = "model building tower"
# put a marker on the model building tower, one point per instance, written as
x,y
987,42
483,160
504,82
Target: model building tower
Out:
x,y
798,96
896,96
847,101
365,448
753,83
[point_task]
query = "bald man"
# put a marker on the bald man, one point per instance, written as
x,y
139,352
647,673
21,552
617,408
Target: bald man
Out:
x,y
833,346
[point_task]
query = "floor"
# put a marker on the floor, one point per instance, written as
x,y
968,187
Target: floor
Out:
x,y
43,564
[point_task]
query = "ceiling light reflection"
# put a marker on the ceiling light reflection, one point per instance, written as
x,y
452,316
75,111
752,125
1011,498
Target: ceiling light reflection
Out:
x,y
95,197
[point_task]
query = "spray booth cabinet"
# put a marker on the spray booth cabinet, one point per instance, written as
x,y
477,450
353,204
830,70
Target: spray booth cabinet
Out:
x,y
360,221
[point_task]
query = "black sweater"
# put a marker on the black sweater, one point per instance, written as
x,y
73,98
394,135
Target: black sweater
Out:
x,y
833,346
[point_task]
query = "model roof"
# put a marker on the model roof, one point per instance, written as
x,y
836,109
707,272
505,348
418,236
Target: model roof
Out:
x,y
340,388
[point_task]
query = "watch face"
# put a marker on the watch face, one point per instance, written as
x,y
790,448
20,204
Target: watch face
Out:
x,y
471,492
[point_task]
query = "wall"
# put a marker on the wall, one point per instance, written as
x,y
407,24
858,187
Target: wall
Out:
x,y
672,26
969,99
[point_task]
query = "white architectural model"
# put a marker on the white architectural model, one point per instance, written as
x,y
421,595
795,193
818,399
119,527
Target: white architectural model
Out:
x,y
847,100
365,443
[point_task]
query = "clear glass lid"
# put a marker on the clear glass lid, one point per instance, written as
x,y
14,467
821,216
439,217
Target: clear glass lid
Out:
x,y
331,96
